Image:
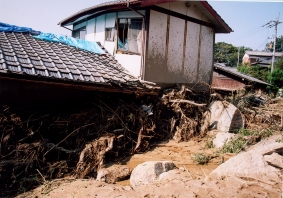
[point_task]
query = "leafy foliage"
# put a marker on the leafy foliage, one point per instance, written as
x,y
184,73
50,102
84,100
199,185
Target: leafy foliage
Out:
x,y
275,78
227,53
255,71
278,47
244,137
201,158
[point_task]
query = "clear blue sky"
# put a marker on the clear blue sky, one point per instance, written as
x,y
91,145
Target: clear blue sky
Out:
x,y
245,18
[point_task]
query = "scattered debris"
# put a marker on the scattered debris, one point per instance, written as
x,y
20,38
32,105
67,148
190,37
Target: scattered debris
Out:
x,y
39,146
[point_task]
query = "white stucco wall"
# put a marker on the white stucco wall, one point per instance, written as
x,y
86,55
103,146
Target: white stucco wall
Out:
x,y
100,29
131,62
90,28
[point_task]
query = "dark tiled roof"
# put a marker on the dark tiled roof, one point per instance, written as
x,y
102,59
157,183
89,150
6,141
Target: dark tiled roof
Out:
x,y
257,53
233,71
20,53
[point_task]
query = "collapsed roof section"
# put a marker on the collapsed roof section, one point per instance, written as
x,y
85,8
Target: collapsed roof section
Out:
x,y
24,57
233,71
220,25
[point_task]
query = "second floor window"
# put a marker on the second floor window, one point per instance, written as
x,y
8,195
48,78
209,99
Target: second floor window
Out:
x,y
109,34
130,35
79,33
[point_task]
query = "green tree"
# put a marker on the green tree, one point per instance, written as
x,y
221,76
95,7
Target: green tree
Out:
x,y
228,54
275,78
278,47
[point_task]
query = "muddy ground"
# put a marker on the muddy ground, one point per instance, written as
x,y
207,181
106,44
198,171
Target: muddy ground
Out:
x,y
189,180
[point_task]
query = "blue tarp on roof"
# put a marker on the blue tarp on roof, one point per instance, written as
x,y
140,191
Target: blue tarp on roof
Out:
x,y
4,27
81,44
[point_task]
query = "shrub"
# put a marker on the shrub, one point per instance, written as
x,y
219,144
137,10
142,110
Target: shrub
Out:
x,y
201,158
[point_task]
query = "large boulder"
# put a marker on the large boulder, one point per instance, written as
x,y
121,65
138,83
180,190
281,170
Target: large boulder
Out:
x,y
248,166
113,174
148,172
269,145
221,138
274,159
260,163
225,117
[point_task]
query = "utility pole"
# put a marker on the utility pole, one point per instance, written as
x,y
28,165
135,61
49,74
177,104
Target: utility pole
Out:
x,y
238,56
270,24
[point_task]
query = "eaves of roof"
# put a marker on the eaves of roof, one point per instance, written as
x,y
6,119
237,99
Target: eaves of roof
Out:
x,y
238,74
123,4
258,53
25,57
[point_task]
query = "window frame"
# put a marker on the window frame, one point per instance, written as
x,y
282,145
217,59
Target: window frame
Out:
x,y
79,30
110,34
127,24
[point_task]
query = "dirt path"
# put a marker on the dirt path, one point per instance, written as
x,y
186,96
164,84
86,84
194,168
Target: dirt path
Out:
x,y
180,154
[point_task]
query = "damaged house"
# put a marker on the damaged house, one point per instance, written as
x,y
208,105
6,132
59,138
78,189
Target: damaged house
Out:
x,y
39,72
164,41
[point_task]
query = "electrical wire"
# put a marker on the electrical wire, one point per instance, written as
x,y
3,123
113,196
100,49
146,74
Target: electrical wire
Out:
x,y
262,44
247,34
252,29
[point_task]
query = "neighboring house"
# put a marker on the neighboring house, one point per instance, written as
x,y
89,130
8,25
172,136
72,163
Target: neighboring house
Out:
x,y
38,71
162,41
263,59
229,79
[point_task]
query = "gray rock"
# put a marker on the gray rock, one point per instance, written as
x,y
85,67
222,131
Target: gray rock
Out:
x,y
225,118
221,138
274,159
268,146
248,166
148,172
113,174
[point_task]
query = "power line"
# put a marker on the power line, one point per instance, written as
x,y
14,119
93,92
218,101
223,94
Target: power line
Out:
x,y
247,34
270,24
252,30
262,43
